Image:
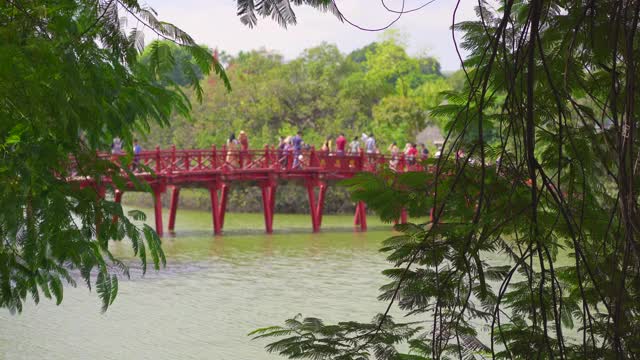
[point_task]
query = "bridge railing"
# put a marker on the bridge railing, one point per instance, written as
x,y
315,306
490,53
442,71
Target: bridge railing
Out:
x,y
176,161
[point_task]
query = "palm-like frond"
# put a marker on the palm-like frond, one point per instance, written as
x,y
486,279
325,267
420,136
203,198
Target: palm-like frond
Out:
x,y
280,11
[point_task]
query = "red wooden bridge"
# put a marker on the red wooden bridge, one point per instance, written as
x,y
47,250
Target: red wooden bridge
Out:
x,y
217,169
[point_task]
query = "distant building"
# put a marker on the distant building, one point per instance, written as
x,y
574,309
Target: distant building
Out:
x,y
429,136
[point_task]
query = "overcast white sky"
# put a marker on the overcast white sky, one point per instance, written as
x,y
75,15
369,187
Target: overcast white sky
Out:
x,y
215,23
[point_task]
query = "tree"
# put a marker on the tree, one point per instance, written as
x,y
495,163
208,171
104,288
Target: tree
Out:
x,y
179,59
391,69
429,66
271,97
457,80
430,95
548,75
360,55
399,119
70,81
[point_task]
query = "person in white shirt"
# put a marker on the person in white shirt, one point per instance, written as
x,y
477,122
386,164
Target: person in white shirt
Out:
x,y
116,146
369,143
354,146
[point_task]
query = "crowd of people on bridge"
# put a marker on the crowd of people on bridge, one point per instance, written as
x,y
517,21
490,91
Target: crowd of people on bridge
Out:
x,y
237,149
117,149
365,143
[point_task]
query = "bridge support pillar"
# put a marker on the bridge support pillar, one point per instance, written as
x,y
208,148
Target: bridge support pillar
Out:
x,y
100,194
360,219
218,205
173,207
403,217
268,204
117,196
316,207
157,207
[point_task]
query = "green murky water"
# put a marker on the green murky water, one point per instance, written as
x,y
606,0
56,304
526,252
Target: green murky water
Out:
x,y
213,291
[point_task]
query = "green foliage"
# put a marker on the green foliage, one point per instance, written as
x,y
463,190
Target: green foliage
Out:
x,y
322,92
396,116
180,67
311,338
457,80
70,81
279,11
535,227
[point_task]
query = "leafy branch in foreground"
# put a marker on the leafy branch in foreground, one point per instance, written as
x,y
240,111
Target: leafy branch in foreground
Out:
x,y
280,11
534,236
311,338
70,81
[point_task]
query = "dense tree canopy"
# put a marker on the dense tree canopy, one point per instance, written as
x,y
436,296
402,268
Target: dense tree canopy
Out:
x,y
321,92
71,81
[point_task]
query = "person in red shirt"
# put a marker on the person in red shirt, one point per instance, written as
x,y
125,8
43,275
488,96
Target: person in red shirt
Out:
x,y
412,154
341,143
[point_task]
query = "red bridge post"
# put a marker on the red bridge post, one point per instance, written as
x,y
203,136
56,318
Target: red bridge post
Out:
x,y
218,206
173,160
320,205
173,207
290,155
224,195
158,165
266,156
313,159
268,203
223,164
361,216
316,207
117,194
214,162
403,217
157,207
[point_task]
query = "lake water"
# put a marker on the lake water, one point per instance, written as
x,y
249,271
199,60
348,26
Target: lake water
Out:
x,y
213,291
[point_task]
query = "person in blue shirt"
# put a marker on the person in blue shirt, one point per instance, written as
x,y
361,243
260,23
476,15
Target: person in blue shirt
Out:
x,y
297,149
297,141
424,152
137,149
